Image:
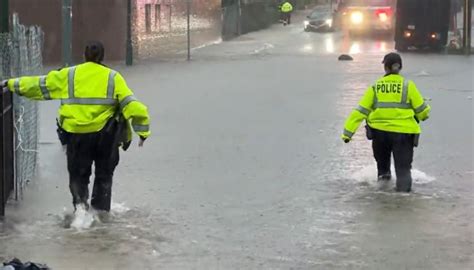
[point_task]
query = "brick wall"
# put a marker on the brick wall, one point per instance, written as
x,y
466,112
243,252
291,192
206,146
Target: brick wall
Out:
x,y
160,26
162,12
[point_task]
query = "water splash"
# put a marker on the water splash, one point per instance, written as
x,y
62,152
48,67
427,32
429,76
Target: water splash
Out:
x,y
368,175
119,208
423,73
83,219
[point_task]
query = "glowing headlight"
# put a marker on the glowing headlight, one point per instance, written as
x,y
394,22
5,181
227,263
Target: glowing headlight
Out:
x,y
306,23
357,17
329,22
435,36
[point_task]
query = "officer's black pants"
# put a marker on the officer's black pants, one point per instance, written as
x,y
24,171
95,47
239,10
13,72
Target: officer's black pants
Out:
x,y
82,151
401,145
288,17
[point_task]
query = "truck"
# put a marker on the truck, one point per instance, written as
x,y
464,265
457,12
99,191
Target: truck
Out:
x,y
422,24
366,16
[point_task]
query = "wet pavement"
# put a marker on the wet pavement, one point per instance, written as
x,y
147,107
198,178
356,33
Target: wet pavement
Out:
x,y
246,168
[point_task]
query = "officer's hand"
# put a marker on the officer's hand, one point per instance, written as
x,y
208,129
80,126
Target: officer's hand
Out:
x,y
141,142
346,139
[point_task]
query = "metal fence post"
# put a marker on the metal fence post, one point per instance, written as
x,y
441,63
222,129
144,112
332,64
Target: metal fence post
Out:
x,y
2,164
7,156
129,53
467,28
67,32
171,15
4,16
4,28
239,18
188,17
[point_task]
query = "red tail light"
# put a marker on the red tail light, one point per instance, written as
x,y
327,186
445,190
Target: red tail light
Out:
x,y
383,13
386,11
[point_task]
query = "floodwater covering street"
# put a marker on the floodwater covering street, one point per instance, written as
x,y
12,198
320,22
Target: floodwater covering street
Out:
x,y
246,169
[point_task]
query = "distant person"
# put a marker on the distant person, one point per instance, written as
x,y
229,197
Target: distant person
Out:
x,y
96,107
392,107
286,10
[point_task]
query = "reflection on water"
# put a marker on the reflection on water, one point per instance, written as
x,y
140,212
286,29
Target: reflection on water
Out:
x,y
307,48
382,46
355,48
329,44
361,45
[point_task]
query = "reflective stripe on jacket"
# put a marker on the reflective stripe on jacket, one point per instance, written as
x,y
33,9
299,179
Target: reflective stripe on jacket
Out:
x,y
90,94
392,104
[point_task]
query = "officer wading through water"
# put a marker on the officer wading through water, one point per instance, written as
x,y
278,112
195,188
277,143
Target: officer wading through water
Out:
x,y
286,9
393,108
94,120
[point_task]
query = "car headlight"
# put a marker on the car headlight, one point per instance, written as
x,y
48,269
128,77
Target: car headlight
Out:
x,y
306,23
357,17
329,22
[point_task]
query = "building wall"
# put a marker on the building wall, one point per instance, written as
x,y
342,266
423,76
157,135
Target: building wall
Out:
x,y
160,26
159,16
173,11
103,20
40,12
106,21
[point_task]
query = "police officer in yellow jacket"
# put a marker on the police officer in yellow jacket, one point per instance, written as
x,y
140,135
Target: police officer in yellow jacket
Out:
x,y
393,108
93,97
286,9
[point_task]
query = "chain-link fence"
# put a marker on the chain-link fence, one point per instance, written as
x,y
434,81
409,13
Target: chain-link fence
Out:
x,y
21,55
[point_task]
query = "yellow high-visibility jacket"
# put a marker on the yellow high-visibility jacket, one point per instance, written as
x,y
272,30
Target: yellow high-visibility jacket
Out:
x,y
90,95
392,104
286,7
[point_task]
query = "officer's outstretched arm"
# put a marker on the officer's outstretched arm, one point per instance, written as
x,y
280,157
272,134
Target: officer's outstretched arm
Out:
x,y
421,108
358,115
132,109
40,87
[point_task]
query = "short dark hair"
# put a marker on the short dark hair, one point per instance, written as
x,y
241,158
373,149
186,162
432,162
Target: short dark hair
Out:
x,y
94,52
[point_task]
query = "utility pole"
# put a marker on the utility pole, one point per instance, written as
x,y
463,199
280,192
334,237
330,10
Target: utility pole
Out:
x,y
467,27
67,33
188,15
4,16
171,16
129,46
239,18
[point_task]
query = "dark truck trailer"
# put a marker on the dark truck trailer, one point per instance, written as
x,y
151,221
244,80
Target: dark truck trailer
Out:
x,y
421,24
